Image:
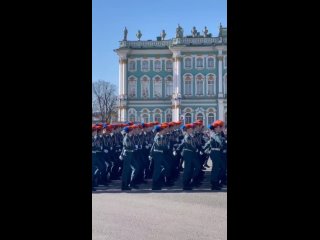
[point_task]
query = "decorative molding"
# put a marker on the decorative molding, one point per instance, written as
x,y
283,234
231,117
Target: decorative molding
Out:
x,y
220,58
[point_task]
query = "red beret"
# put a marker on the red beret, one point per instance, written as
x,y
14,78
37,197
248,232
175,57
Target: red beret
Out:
x,y
190,125
171,124
219,122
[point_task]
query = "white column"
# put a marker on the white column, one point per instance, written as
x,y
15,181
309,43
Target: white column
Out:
x,y
176,86
122,87
220,109
220,94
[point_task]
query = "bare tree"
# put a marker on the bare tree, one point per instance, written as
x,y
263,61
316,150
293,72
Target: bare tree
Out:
x,y
104,99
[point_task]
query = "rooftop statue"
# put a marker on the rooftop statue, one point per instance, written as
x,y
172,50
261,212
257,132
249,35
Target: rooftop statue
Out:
x,y
139,35
179,32
125,33
163,35
194,32
205,32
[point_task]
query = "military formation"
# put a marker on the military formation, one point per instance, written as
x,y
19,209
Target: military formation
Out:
x,y
135,152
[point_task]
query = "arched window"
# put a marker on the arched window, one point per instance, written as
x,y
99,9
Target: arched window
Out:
x,y
145,87
169,86
210,62
200,116
187,118
157,117
168,117
210,118
188,84
132,85
157,87
210,84
168,65
187,63
145,66
199,62
132,65
132,118
200,84
145,118
157,65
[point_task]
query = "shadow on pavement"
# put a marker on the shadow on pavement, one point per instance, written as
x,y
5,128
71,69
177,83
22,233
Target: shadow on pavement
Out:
x,y
155,191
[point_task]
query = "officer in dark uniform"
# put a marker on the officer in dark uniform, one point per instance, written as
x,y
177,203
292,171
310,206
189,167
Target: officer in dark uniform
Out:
x,y
126,156
98,148
158,158
117,139
150,141
188,153
136,163
95,164
214,146
223,174
197,163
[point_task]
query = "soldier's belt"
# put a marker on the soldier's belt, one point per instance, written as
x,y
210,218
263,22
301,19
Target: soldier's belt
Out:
x,y
129,151
186,149
215,149
155,150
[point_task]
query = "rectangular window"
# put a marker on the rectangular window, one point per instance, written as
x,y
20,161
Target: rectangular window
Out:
x,y
210,87
199,87
187,87
145,66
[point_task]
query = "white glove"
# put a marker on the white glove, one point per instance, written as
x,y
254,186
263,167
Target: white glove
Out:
x,y
136,146
150,158
201,153
106,151
120,157
111,148
174,153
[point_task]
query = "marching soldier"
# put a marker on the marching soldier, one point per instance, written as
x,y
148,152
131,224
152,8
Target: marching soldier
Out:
x,y
126,156
214,146
158,158
188,153
98,147
223,175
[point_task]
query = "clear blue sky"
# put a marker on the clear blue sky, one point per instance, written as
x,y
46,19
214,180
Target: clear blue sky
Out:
x,y
109,17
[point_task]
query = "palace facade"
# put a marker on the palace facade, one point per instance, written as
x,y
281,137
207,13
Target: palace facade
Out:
x,y
183,78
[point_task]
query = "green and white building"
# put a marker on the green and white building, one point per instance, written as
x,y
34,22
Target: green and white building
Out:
x,y
169,80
